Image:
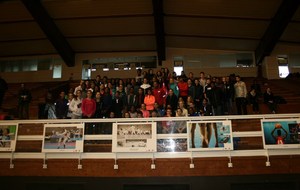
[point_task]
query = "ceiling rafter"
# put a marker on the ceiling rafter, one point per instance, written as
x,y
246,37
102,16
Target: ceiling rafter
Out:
x,y
275,29
158,14
41,16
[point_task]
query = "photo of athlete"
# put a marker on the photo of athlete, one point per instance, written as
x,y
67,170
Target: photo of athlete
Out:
x,y
279,137
64,138
8,134
206,135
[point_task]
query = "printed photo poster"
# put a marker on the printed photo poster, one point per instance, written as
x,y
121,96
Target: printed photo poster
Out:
x,y
172,145
63,138
134,137
281,133
8,136
171,127
209,135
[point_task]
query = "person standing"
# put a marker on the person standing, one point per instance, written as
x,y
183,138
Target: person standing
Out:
x,y
75,106
61,106
118,105
253,100
171,100
24,97
198,94
149,100
159,94
88,106
88,109
3,89
174,87
183,88
49,111
240,96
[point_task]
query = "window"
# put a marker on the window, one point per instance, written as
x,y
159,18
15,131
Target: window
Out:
x,y
24,65
57,69
283,67
228,60
178,65
86,70
117,64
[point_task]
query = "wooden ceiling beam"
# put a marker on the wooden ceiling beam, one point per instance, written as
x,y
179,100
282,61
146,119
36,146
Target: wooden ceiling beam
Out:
x,y
275,29
158,14
41,16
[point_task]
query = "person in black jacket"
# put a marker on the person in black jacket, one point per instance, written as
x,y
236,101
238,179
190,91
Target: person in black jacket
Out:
x,y
171,100
198,94
117,105
270,100
24,97
206,109
3,89
61,106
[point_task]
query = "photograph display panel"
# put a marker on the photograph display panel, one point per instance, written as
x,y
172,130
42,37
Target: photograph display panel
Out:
x,y
172,145
8,137
134,137
63,138
281,133
171,127
209,135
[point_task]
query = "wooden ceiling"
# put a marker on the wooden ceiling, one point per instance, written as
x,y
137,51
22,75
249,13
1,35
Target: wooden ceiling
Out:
x,y
67,27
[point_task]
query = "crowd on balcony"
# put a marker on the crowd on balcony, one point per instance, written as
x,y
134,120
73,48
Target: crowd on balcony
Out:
x,y
160,94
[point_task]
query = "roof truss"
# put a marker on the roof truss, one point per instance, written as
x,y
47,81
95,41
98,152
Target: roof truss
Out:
x,y
158,14
275,29
52,32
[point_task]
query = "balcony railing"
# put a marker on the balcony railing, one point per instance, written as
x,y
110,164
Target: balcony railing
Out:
x,y
165,144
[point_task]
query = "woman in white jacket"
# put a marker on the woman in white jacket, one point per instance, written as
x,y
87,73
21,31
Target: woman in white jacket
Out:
x,y
75,106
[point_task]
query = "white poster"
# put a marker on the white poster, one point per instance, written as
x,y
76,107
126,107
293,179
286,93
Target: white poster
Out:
x,y
63,138
134,137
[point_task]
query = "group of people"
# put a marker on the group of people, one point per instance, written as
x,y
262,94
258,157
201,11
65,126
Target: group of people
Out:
x,y
160,94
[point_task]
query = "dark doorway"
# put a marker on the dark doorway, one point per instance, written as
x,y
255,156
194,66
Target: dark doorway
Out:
x,y
54,186
264,186
157,187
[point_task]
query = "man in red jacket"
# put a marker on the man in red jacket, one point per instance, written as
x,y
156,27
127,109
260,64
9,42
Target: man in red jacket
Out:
x,y
159,94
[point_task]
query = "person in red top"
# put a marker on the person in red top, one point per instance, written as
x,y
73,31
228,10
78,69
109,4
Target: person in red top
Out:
x,y
149,100
183,89
88,106
159,94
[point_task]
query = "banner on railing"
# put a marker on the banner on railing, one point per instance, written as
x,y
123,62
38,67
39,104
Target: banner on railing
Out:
x,y
209,135
63,138
8,136
134,137
281,133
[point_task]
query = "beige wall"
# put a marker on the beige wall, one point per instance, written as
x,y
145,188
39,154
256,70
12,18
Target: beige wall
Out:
x,y
270,68
172,52
270,65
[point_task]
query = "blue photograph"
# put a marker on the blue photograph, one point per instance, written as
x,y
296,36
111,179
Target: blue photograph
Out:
x,y
210,135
